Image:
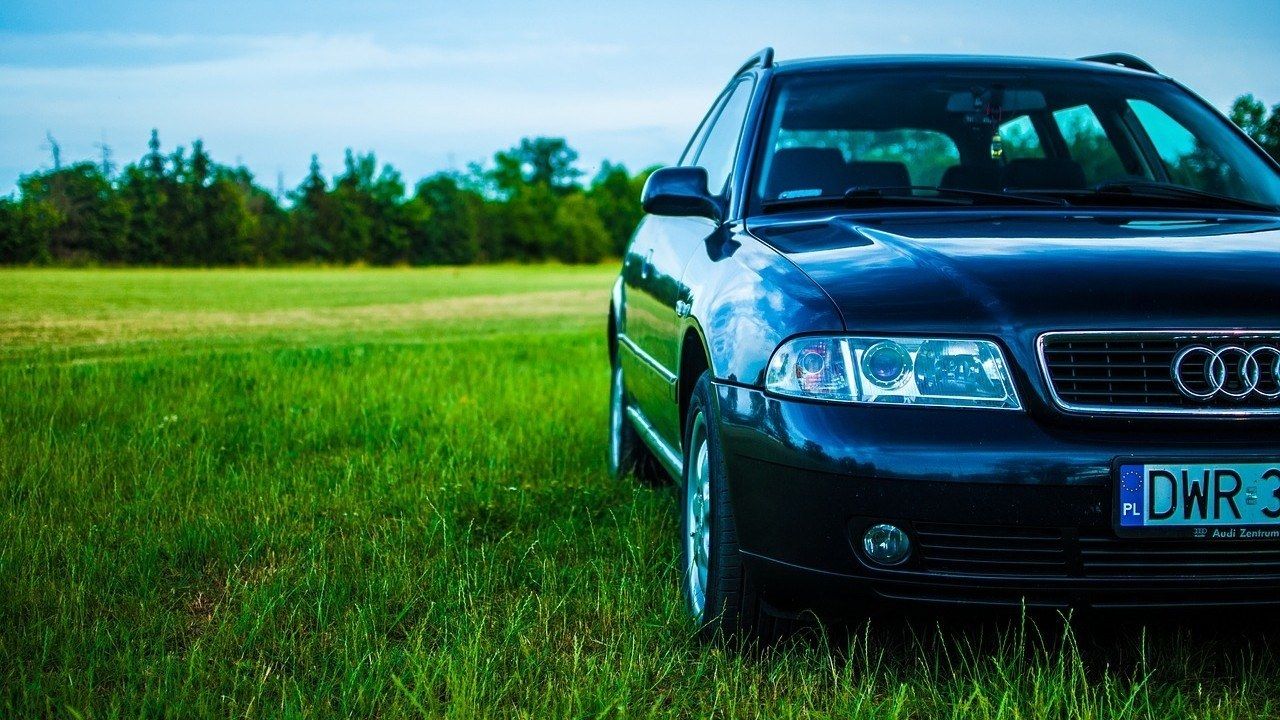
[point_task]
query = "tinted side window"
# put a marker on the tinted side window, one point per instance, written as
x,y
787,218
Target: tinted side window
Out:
x,y
1020,139
721,146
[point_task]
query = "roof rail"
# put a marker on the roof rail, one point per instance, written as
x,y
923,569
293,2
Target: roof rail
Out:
x,y
1126,60
764,59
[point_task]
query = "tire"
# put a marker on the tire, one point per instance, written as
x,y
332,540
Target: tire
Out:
x,y
628,454
717,592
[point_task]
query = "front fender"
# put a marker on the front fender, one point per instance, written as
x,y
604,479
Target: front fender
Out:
x,y
613,324
745,299
617,306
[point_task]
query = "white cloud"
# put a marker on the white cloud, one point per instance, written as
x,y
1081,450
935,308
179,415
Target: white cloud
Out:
x,y
274,99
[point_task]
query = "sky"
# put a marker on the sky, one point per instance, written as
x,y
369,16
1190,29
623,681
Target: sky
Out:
x,y
436,85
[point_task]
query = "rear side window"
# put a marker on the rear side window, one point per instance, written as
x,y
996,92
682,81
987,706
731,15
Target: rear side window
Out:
x,y
720,148
1088,144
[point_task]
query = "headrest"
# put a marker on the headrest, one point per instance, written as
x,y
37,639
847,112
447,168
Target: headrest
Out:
x,y
1044,174
879,174
984,177
801,172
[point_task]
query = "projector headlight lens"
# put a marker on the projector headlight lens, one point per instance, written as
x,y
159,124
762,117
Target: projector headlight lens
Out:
x,y
905,370
886,364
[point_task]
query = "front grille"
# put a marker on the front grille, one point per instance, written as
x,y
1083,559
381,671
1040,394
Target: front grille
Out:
x,y
1103,555
990,550
1001,551
1133,372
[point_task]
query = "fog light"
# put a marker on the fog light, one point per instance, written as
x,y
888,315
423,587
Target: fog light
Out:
x,y
886,544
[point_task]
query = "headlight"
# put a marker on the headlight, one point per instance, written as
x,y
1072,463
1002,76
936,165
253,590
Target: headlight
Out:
x,y
906,371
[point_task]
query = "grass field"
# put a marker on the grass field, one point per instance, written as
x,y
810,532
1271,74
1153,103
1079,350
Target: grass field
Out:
x,y
363,493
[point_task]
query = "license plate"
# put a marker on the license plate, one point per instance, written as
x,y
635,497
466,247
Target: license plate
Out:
x,y
1213,501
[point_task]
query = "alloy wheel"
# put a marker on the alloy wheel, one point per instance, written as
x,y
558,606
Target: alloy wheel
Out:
x,y
697,509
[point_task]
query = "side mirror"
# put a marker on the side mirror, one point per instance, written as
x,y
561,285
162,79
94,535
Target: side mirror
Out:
x,y
680,192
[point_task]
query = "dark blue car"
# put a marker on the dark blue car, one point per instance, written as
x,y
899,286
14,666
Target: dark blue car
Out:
x,y
957,330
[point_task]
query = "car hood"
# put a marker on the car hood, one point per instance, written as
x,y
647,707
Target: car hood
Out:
x,y
1027,273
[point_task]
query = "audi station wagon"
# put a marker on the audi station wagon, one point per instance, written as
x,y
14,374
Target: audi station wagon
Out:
x,y
957,330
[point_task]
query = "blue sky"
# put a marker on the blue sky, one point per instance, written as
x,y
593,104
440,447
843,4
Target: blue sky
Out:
x,y
434,85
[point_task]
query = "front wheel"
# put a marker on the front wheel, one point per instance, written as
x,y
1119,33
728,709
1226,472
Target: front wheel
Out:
x,y
717,592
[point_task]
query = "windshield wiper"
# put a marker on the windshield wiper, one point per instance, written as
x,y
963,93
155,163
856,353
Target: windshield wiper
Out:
x,y
905,194
1156,189
1161,191
903,191
859,197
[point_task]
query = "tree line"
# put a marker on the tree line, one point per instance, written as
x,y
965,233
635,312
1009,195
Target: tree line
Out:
x,y
529,203
182,208
1250,115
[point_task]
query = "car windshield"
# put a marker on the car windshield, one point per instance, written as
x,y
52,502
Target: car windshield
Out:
x,y
965,137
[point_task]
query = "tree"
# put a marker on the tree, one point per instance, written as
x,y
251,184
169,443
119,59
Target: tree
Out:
x,y
153,163
537,161
269,223
13,246
231,230
142,194
184,208
371,201
615,193
313,217
523,224
84,218
527,183
141,188
26,230
177,210
447,227
1251,115
193,208
580,236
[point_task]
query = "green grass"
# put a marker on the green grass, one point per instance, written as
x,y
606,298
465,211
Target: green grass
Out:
x,y
382,493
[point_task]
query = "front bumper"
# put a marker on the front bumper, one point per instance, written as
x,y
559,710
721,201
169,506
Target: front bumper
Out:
x,y
1002,507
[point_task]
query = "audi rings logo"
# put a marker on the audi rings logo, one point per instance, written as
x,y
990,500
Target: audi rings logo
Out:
x,y
1234,372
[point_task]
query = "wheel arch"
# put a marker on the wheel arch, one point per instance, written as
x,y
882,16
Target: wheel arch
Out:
x,y
694,360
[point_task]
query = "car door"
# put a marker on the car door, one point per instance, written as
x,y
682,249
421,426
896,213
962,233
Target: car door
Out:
x,y
655,262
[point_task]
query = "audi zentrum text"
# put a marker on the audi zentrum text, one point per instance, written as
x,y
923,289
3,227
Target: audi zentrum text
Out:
x,y
961,330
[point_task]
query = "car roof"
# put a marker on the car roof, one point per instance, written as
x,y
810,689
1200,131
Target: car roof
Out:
x,y
935,62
